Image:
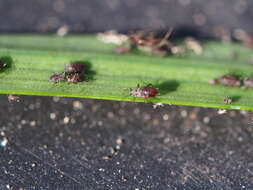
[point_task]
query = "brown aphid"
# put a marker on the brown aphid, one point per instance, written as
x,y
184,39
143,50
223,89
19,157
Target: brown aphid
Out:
x,y
144,92
227,80
227,100
55,78
75,77
248,82
75,68
13,98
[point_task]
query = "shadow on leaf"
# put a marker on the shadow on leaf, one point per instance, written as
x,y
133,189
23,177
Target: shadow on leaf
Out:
x,y
167,86
89,72
8,61
235,98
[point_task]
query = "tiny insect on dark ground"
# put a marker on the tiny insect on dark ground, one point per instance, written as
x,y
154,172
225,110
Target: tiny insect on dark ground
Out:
x,y
227,80
13,98
144,92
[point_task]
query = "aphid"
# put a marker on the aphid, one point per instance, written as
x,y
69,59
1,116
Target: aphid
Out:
x,y
75,77
227,100
13,98
2,64
75,68
144,92
57,77
227,80
248,82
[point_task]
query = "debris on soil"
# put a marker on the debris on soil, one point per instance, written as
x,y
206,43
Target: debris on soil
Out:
x,y
13,98
227,100
120,141
55,78
157,105
144,92
63,30
227,80
109,157
3,142
222,111
112,37
114,150
193,45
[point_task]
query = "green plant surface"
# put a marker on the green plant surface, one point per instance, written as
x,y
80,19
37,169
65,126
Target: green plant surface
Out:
x,y
181,80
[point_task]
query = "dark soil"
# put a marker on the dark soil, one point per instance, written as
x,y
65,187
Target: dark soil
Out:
x,y
191,17
66,143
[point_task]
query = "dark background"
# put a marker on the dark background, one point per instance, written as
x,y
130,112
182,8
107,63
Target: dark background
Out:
x,y
63,143
96,15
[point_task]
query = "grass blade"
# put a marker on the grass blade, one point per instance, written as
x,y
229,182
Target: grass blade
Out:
x,y
181,80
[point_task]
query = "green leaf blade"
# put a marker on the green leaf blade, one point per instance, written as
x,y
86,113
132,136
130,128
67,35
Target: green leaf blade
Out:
x,y
182,80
